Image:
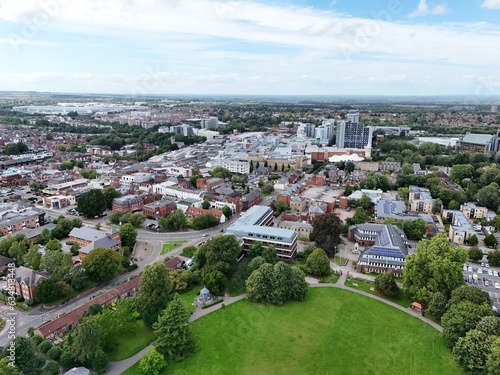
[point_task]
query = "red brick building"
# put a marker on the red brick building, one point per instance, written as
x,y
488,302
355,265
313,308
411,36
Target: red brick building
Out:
x,y
159,208
128,203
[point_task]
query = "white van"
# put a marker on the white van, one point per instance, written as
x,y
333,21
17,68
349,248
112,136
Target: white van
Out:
x,y
189,263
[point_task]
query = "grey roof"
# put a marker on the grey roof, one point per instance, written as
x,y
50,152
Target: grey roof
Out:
x,y
390,242
128,199
252,195
89,234
106,242
78,371
386,208
476,139
28,275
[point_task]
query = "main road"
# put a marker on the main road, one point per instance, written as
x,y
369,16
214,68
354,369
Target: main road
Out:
x,y
37,316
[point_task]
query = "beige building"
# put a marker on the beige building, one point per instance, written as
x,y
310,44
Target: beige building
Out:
x,y
297,204
471,211
302,229
420,199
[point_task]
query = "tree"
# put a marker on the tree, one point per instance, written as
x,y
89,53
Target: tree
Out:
x,y
110,193
268,188
471,351
226,210
102,264
128,235
435,267
152,363
326,232
461,171
254,264
317,263
7,368
47,291
493,361
349,167
37,186
136,219
86,347
469,293
26,359
489,325
280,207
220,172
494,258
56,263
173,335
437,305
269,254
219,254
204,221
33,258
205,205
77,277
473,241
461,318
276,284
215,281
92,203
359,216
255,249
386,284
489,196
154,292
490,241
53,245
176,220
415,229
364,202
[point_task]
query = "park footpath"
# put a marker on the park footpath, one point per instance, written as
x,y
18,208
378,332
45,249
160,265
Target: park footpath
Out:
x,y
117,368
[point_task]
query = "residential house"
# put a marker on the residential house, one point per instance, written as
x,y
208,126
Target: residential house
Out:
x,y
88,239
27,280
472,211
420,199
174,263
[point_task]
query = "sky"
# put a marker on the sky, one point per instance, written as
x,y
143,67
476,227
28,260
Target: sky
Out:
x,y
273,47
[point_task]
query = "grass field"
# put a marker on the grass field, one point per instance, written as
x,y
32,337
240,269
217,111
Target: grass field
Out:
x,y
132,341
369,287
333,332
171,245
188,297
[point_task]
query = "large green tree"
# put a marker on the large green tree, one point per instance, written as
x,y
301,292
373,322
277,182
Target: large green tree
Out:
x,y
494,257
219,254
56,263
128,235
92,203
173,335
475,254
26,359
493,361
461,318
154,292
326,232
437,305
472,350
435,267
489,196
276,284
102,264
317,263
490,241
204,221
386,284
85,345
152,363
110,193
175,220
469,293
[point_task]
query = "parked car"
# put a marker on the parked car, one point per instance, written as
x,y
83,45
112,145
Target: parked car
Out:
x,y
479,270
490,272
495,273
205,235
497,285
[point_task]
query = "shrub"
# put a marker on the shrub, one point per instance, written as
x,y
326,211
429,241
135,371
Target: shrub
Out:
x,y
44,346
36,339
54,353
51,368
19,299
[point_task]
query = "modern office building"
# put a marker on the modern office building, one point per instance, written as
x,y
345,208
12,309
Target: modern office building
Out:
x,y
353,135
471,142
255,225
210,123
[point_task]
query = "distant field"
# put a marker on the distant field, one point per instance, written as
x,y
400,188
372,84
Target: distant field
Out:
x,y
333,332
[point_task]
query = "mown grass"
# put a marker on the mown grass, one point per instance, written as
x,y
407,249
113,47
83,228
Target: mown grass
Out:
x,y
369,287
131,341
332,331
171,245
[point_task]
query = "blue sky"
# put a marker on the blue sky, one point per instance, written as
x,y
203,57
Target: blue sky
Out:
x,y
299,47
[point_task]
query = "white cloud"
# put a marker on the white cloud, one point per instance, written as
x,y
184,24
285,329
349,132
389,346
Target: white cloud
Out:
x,y
491,4
423,9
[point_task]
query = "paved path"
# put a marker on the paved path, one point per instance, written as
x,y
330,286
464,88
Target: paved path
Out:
x,y
117,368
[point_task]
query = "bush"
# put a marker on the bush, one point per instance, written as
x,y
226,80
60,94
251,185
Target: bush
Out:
x,y
19,299
44,346
136,315
386,284
54,353
36,339
51,368
30,302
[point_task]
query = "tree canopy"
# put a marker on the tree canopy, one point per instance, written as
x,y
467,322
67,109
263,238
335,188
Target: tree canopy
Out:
x,y
317,263
218,254
435,267
92,203
154,292
326,232
102,264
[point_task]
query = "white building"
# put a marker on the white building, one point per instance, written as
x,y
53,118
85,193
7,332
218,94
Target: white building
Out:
x,y
178,193
233,166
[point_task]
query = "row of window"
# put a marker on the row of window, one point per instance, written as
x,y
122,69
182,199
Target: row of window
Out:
x,y
266,236
396,267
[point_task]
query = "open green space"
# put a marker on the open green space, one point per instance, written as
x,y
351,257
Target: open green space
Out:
x,y
171,245
340,260
369,287
188,297
332,331
132,341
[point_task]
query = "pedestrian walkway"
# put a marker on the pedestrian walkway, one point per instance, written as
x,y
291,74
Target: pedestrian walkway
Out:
x,y
117,368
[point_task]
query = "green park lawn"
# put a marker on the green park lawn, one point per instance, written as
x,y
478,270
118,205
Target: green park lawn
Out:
x,y
132,341
369,287
171,245
332,332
